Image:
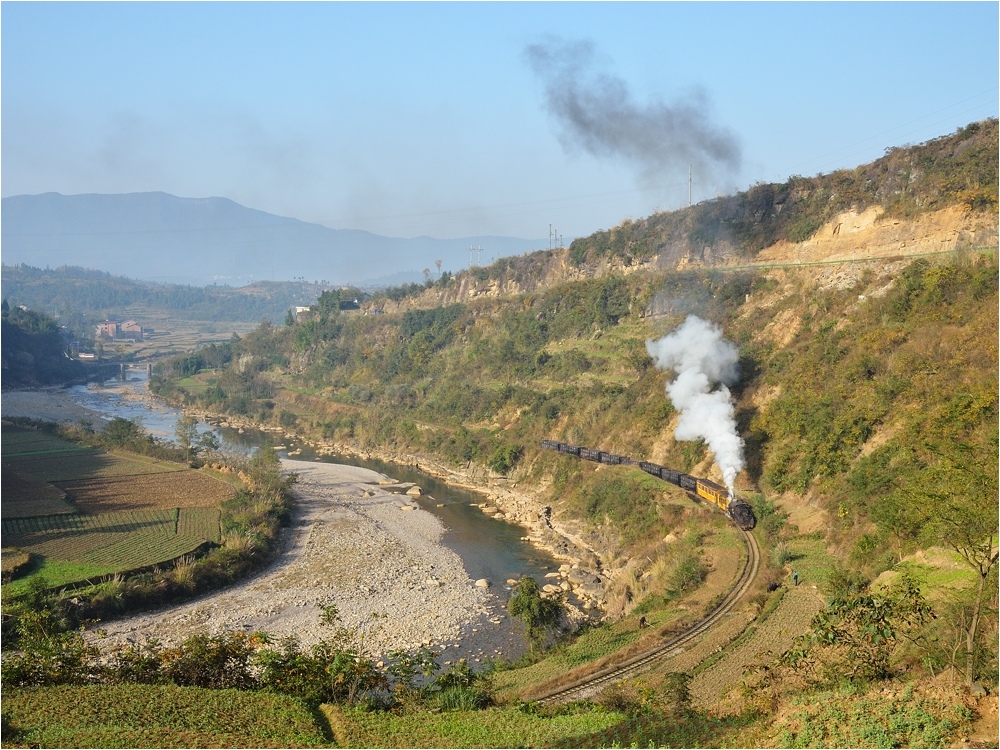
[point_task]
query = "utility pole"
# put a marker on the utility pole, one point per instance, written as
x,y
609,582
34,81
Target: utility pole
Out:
x,y
689,184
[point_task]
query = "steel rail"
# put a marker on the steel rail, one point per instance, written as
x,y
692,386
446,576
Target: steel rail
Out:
x,y
637,664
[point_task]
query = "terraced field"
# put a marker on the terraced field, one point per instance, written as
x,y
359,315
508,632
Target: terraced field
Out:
x,y
84,512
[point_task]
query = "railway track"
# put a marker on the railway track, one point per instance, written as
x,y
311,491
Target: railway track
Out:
x,y
637,664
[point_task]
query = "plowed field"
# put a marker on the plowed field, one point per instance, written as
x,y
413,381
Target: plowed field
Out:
x,y
184,489
25,496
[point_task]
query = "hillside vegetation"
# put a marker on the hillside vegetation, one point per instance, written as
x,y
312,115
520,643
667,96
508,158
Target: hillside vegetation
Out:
x,y
33,349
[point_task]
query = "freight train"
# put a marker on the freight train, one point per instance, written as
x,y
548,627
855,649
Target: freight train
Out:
x,y
733,506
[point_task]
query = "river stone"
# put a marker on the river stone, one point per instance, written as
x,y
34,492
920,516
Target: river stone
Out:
x,y
414,491
579,576
483,583
594,590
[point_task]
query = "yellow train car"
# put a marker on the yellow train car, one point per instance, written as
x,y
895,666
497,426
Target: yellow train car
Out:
x,y
713,493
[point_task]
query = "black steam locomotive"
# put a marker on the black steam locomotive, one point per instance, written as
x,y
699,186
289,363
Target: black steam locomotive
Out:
x,y
736,507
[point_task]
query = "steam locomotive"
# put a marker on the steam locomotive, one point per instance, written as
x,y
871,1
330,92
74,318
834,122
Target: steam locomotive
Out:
x,y
735,507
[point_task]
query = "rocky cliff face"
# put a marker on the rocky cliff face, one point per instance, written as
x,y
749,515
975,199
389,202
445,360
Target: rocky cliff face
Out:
x,y
870,234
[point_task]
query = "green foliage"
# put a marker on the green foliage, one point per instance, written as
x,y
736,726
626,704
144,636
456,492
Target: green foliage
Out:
x,y
539,613
405,666
844,718
849,378
85,295
493,727
326,673
218,662
687,575
48,654
504,457
33,348
629,500
123,433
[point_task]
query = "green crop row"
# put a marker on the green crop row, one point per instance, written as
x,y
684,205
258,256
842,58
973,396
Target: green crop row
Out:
x,y
154,716
123,521
200,522
142,550
111,542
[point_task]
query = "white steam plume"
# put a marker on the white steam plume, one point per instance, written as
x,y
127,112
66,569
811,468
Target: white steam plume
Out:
x,y
700,356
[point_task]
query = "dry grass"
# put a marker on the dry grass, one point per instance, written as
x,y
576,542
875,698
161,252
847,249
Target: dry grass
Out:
x,y
12,561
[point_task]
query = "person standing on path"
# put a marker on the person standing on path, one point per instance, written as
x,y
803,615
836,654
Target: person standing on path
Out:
x,y
795,578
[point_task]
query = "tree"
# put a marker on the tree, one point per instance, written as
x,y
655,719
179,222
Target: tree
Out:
x,y
958,492
190,441
537,612
187,435
124,433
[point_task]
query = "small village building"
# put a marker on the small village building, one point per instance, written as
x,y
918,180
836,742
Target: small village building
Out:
x,y
130,330
117,331
108,329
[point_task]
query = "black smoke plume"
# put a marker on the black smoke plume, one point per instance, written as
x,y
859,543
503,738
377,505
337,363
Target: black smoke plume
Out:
x,y
597,113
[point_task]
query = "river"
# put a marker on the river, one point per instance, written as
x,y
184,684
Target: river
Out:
x,y
489,548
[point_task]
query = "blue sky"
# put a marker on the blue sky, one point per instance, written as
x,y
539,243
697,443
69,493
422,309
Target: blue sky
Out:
x,y
460,119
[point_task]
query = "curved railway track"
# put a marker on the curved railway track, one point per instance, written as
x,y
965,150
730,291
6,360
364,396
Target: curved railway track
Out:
x,y
633,666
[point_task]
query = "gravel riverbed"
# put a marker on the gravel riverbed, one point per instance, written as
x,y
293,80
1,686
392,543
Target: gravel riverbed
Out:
x,y
360,543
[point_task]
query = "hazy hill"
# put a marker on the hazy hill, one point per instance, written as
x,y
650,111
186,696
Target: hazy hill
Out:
x,y
160,237
69,292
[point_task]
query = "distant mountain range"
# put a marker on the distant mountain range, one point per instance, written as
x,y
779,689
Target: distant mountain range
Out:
x,y
200,241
